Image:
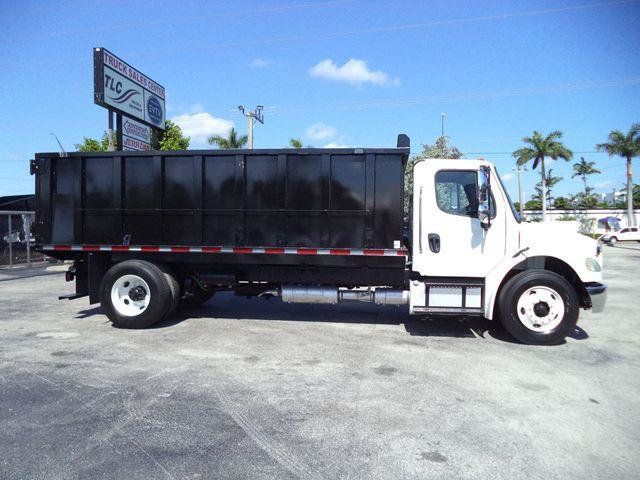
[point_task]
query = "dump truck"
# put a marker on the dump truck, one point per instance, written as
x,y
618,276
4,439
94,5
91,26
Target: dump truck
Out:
x,y
150,232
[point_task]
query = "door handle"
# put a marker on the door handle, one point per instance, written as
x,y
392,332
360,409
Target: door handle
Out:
x,y
434,242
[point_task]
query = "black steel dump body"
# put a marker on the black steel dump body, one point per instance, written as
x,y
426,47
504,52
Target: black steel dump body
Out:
x,y
227,209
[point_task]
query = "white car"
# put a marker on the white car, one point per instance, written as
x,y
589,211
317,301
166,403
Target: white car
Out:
x,y
629,234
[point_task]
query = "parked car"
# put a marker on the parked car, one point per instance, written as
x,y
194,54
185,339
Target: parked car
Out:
x,y
629,234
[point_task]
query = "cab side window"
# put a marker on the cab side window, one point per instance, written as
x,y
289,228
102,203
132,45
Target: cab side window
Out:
x,y
457,193
624,230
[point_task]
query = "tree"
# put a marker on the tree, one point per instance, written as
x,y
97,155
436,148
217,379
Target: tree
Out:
x,y
561,203
171,138
295,143
533,205
584,169
232,141
627,146
550,181
540,148
440,149
92,145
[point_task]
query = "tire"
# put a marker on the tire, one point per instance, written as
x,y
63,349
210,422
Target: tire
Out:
x,y
613,241
151,301
196,298
538,307
174,287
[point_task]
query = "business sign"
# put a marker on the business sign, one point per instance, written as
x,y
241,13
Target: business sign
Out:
x,y
136,130
135,135
134,145
120,87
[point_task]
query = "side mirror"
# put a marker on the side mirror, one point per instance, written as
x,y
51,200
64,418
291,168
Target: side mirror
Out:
x,y
484,197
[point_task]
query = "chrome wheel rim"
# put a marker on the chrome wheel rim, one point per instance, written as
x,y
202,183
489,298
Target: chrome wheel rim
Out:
x,y
540,309
130,295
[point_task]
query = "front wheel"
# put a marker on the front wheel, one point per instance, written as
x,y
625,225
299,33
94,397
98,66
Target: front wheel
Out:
x,y
538,307
136,294
613,241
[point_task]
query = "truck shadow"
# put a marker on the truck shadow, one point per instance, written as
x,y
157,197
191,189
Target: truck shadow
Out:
x,y
228,306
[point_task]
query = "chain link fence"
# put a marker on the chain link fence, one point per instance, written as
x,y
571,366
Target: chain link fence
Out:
x,y
16,241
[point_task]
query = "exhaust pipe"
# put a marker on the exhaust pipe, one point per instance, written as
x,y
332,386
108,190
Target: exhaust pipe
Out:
x,y
333,295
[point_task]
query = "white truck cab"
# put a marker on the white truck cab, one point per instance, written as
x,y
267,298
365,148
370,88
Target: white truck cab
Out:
x,y
471,254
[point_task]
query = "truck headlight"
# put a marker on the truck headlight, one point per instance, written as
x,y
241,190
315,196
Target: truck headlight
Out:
x,y
592,265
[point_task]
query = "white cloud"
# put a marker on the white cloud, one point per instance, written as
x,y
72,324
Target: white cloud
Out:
x,y
335,145
354,71
260,63
507,177
200,126
321,131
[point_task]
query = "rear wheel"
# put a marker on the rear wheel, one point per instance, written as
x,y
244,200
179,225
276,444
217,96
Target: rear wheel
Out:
x,y
538,307
174,288
136,294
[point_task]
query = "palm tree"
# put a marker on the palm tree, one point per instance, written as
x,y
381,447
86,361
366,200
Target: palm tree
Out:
x,y
539,148
584,169
627,146
295,143
232,141
550,181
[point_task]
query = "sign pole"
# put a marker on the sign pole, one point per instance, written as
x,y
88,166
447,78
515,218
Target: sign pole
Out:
x,y
110,131
119,131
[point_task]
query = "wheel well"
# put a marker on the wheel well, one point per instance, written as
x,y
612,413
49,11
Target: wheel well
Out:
x,y
553,265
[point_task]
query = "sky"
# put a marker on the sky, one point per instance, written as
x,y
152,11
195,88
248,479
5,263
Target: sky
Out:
x,y
333,73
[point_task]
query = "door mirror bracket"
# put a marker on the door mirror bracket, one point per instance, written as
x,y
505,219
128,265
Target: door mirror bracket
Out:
x,y
484,197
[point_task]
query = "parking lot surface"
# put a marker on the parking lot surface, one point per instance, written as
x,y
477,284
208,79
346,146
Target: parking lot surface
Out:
x,y
257,390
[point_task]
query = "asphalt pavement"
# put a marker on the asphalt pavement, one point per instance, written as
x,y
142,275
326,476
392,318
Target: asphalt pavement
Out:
x,y
254,389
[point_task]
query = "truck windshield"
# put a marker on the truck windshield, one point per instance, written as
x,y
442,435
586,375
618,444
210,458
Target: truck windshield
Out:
x,y
506,192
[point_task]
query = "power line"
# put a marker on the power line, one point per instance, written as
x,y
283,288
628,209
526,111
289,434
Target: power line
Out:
x,y
189,19
395,28
392,28
455,97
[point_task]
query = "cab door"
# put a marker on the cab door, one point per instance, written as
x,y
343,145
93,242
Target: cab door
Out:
x,y
452,251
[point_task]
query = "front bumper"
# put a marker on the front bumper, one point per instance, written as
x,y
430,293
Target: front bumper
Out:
x,y
598,294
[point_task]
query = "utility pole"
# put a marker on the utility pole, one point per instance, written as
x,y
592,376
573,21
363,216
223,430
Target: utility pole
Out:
x,y
520,199
442,115
251,117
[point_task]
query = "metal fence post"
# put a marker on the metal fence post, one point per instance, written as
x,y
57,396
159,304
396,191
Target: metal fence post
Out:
x,y
10,244
27,232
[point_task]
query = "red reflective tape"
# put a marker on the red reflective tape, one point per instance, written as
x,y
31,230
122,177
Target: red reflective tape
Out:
x,y
236,250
